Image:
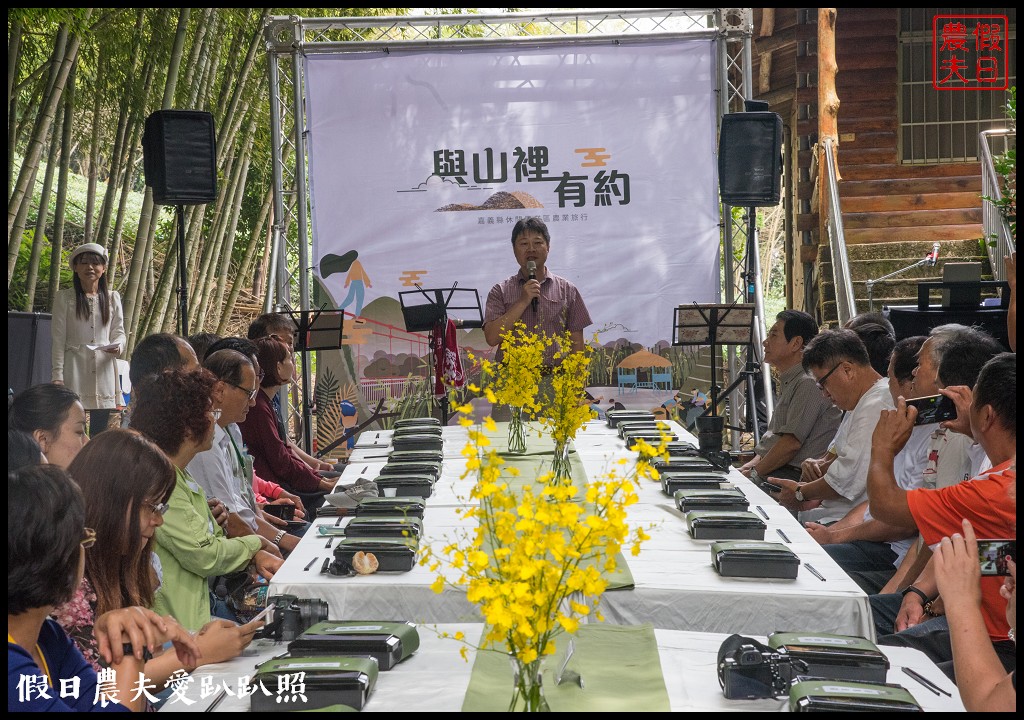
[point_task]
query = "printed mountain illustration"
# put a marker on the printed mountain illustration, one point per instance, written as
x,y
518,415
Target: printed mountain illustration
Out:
x,y
498,201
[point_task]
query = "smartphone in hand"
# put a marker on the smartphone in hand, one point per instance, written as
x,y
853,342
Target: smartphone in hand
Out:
x,y
992,555
933,409
264,614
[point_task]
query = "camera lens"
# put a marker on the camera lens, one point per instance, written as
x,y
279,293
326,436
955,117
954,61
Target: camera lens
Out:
x,y
312,611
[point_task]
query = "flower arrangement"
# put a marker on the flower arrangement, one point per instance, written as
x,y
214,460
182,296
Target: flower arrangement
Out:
x,y
558,404
515,380
536,562
564,410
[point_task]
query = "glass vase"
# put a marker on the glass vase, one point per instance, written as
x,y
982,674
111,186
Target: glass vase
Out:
x,y
560,465
527,691
516,431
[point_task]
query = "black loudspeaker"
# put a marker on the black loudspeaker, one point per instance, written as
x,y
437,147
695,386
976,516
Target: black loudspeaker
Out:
x,y
179,152
750,159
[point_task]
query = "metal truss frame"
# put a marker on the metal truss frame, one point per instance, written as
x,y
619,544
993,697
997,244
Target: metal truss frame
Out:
x,y
289,38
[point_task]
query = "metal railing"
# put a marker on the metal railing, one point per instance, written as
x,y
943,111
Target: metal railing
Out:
x,y
846,308
999,239
388,388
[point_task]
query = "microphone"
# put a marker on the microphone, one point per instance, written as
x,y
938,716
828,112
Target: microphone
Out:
x,y
531,267
935,254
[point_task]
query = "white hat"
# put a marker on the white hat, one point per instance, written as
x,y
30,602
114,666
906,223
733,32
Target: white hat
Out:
x,y
87,248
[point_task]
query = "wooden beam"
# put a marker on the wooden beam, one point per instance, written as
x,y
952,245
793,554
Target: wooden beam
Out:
x,y
828,108
809,253
767,22
764,80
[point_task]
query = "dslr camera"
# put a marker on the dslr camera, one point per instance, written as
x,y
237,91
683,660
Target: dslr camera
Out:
x,y
292,616
748,669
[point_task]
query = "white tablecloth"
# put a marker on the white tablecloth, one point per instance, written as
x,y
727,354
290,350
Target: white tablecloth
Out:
x,y
676,586
436,677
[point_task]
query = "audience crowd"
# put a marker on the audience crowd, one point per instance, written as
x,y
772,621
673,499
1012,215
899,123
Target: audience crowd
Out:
x,y
129,551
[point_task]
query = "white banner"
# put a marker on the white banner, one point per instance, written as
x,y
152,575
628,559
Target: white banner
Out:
x,y
421,162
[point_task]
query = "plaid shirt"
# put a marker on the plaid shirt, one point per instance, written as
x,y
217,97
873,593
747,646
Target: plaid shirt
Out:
x,y
560,308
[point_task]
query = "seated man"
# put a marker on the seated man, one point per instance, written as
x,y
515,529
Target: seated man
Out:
x,y
839,363
878,336
951,355
804,422
867,549
916,619
225,470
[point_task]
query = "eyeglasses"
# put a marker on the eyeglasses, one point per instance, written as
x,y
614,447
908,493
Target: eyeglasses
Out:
x,y
90,538
824,379
250,393
157,508
215,414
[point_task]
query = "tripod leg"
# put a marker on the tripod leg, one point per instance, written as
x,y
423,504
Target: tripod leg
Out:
x,y
752,409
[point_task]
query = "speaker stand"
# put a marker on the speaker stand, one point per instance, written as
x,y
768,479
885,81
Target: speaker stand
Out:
x,y
182,274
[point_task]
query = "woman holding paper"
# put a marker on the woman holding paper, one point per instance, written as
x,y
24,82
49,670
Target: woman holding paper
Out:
x,y
88,335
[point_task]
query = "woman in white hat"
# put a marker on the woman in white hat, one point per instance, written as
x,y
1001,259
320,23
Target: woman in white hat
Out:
x,y
88,336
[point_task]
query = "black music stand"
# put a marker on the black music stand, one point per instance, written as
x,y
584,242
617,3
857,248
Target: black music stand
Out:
x,y
321,329
430,309
716,325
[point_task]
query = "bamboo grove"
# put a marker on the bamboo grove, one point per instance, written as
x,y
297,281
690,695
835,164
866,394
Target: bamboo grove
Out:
x,y
80,84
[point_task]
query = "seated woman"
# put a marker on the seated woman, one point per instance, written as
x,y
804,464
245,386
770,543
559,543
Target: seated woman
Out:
x,y
46,546
176,412
119,571
273,460
54,417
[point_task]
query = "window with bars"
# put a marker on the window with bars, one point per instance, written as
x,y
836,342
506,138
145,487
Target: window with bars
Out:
x,y
939,126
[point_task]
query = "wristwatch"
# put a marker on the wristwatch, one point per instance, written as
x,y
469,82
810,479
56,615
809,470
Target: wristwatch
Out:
x,y
280,536
127,649
925,600
799,494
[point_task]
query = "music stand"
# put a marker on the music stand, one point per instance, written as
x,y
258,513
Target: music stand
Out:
x,y
716,325
321,329
430,309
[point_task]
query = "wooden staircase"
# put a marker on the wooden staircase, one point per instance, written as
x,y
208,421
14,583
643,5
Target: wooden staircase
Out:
x,y
881,258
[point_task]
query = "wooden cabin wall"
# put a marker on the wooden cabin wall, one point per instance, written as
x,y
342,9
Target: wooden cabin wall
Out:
x,y
882,199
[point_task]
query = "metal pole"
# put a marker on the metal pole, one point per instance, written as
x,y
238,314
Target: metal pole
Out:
x,y
182,273
303,231
760,329
277,241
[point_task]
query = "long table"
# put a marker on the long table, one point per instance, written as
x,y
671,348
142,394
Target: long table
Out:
x,y
676,586
435,678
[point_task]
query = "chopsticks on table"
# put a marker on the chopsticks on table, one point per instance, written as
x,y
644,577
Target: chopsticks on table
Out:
x,y
925,681
814,572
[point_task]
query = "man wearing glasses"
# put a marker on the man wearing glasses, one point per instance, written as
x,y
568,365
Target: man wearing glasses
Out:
x,y
225,470
839,363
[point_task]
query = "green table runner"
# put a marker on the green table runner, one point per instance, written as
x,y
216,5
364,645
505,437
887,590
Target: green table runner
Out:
x,y
619,664
532,464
